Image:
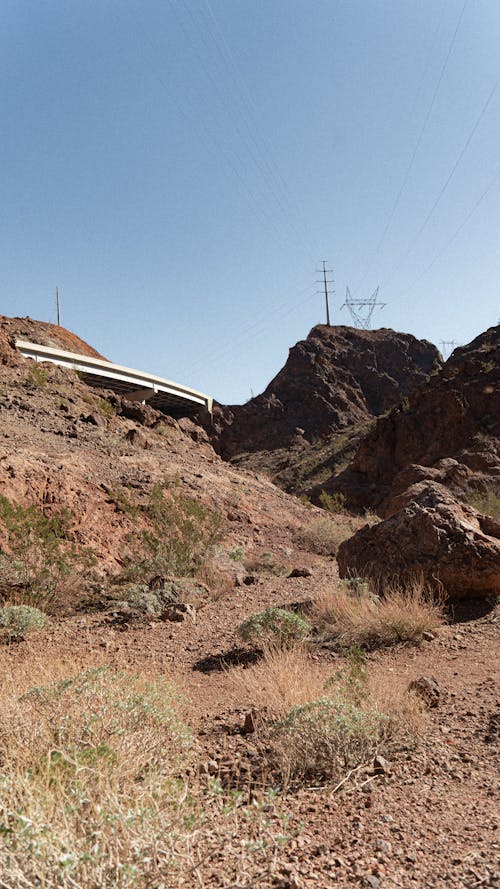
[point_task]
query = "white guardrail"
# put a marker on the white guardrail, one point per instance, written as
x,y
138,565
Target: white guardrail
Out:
x,y
164,395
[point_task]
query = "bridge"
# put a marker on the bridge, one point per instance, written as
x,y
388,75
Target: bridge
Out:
x,y
135,385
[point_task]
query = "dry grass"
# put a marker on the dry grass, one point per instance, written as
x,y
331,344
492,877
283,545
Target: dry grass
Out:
x,y
100,786
360,618
317,727
284,678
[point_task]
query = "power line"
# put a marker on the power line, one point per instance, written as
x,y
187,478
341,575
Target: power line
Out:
x,y
456,233
417,144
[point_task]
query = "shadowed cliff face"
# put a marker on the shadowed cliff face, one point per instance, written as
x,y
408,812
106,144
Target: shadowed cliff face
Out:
x,y
447,431
336,379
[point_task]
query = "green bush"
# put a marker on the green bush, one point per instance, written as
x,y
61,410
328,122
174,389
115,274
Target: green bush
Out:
x,y
39,555
324,739
16,620
274,625
179,536
334,503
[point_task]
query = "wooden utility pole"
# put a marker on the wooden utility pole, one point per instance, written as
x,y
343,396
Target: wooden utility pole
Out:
x,y
57,305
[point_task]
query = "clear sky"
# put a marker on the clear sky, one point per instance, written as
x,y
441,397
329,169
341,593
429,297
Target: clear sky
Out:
x,y
179,169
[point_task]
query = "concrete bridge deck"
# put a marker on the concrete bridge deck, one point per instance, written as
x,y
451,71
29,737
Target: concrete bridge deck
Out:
x,y
164,395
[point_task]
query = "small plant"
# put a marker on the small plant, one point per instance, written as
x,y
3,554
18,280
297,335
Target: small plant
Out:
x,y
361,618
334,503
487,502
352,679
324,739
323,536
306,501
105,407
180,534
274,626
17,620
37,375
237,554
38,557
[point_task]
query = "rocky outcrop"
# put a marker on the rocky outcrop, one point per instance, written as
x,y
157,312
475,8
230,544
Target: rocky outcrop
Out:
x,y
335,379
448,544
446,431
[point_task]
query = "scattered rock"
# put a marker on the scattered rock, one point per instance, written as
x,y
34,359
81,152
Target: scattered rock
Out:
x,y
137,439
249,579
380,765
426,688
179,612
300,572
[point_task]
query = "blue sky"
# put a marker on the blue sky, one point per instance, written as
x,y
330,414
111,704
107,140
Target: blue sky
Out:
x,y
179,169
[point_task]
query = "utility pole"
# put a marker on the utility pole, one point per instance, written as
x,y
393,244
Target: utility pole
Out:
x,y
325,283
57,305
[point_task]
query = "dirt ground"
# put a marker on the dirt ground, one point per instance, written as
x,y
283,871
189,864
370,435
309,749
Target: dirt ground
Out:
x,y
429,820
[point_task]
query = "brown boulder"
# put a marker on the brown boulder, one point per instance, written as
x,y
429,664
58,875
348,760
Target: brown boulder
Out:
x,y
447,543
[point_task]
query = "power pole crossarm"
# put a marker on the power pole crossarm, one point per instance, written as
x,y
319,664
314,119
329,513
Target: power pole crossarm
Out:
x,y
326,283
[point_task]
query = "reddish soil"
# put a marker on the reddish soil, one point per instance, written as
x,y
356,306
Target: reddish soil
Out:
x,y
431,820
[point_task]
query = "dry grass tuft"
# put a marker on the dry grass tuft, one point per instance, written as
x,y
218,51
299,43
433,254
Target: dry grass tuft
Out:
x,y
101,786
284,678
357,617
316,727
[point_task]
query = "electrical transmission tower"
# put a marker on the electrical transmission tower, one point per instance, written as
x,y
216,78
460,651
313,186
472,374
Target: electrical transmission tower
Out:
x,y
326,284
361,310
447,347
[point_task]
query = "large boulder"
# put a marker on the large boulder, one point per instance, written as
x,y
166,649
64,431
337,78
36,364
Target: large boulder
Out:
x,y
446,543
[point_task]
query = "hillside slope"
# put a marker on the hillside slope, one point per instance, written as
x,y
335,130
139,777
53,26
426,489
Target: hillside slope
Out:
x,y
334,383
446,431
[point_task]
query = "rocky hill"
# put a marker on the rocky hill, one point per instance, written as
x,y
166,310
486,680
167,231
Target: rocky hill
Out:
x,y
334,383
431,467
158,741
446,431
39,332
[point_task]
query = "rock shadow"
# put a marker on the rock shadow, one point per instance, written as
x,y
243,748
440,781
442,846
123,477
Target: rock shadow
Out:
x,y
235,657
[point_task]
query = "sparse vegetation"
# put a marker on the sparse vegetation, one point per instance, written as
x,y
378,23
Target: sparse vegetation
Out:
x,y
39,559
359,617
318,727
17,620
487,502
101,786
236,554
178,539
274,626
37,375
334,503
323,535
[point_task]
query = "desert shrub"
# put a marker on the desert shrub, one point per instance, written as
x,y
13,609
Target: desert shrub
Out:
x,y
315,726
37,375
274,625
282,679
179,536
359,617
17,620
86,764
487,502
236,554
140,597
334,503
39,557
324,739
102,786
322,535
